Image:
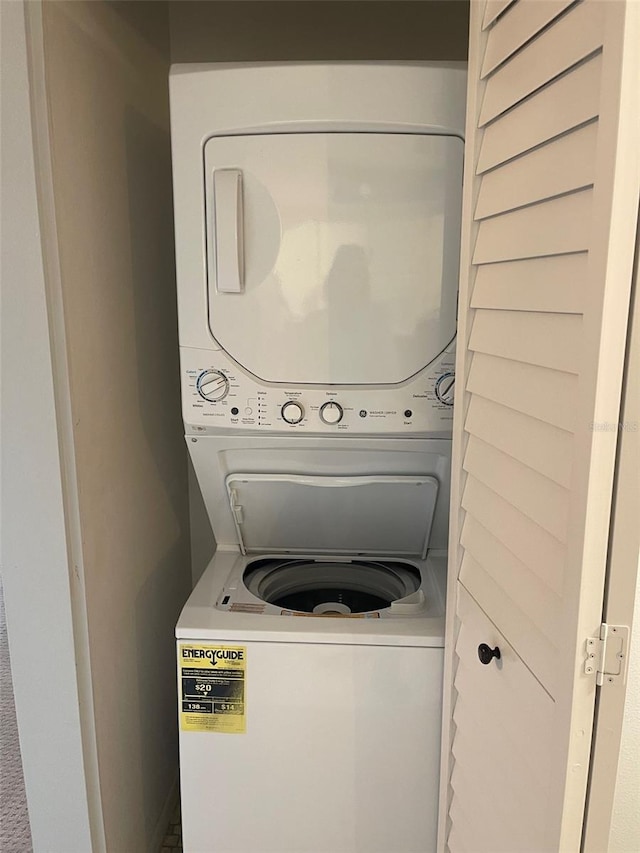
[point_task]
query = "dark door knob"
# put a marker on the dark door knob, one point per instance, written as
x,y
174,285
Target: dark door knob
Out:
x,y
486,653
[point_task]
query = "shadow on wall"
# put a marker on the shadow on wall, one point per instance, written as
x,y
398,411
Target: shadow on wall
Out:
x,y
263,30
165,590
151,28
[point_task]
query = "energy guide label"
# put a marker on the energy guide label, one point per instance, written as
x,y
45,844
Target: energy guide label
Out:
x,y
212,683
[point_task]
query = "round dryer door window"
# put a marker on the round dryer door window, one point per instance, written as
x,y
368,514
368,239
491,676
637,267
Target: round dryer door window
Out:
x,y
327,588
332,258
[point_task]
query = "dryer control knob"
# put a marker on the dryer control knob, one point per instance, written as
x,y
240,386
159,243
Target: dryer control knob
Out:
x,y
445,388
292,412
331,413
212,385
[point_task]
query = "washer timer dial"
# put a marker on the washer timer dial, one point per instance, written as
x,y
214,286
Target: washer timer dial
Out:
x,y
212,385
292,412
445,388
331,413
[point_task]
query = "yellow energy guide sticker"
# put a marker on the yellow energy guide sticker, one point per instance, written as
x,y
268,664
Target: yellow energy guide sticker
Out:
x,y
212,680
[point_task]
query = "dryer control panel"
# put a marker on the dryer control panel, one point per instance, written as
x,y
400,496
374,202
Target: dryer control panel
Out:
x,y
217,396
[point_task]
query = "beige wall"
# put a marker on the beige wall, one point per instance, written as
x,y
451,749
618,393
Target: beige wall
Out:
x,y
106,67
219,31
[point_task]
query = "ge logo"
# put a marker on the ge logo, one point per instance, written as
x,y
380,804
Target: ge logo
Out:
x,y
363,413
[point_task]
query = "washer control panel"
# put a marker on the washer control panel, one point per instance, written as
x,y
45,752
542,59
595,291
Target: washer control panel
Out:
x,y
217,395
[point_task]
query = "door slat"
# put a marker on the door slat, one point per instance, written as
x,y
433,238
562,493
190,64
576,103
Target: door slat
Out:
x,y
538,497
522,586
558,167
554,227
548,340
537,444
538,550
492,9
572,38
572,100
554,284
549,395
521,24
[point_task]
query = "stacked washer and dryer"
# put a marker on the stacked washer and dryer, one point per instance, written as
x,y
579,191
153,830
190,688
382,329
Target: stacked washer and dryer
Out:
x,y
317,214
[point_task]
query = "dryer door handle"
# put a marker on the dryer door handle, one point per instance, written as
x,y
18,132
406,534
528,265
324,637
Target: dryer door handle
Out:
x,y
228,230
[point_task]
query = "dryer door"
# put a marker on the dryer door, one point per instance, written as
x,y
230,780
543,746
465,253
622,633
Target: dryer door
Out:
x,y
333,257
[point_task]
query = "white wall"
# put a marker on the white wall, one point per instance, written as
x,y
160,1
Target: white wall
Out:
x,y
41,590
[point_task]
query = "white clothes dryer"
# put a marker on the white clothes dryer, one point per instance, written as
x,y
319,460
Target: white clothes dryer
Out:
x,y
317,224
317,214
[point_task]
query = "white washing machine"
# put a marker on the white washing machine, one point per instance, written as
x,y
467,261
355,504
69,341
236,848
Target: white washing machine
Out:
x,y
317,229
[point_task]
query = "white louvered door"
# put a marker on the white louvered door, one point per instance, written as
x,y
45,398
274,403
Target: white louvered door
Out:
x,y
550,213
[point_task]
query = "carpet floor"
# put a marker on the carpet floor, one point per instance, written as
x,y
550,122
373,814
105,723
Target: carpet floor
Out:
x,y
15,834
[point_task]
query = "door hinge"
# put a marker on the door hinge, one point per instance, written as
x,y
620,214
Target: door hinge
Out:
x,y
607,654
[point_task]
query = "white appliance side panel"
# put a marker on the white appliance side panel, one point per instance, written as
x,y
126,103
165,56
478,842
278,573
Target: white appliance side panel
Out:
x,y
349,248
341,753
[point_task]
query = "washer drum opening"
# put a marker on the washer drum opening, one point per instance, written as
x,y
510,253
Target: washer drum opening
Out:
x,y
331,588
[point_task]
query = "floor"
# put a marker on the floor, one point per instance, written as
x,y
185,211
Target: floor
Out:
x,y
15,833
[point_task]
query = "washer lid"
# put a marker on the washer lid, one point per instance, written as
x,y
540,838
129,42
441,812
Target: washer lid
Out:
x,y
383,514
332,258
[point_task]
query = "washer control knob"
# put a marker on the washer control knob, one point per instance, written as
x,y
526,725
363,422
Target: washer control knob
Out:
x,y
331,413
212,385
292,412
445,387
